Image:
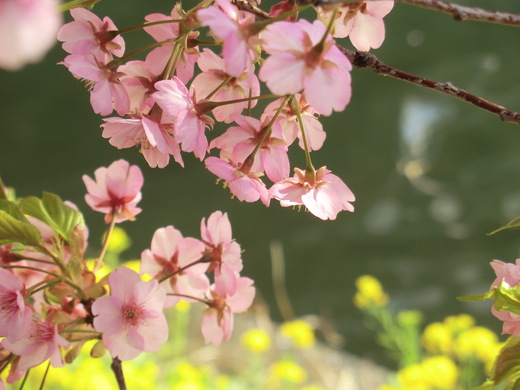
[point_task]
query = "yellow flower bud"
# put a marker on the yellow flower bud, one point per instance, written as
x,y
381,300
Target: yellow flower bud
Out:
x,y
299,332
370,292
256,340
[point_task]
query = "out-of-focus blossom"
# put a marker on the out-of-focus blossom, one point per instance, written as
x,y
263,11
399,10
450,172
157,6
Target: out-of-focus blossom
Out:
x,y
116,191
28,30
362,22
43,342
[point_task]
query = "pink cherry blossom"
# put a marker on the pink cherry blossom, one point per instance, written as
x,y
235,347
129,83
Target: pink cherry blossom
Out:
x,y
138,79
362,22
222,251
300,60
131,318
28,31
508,274
245,186
238,142
234,29
42,343
287,123
15,313
170,31
170,252
88,34
106,90
213,75
156,139
179,104
116,191
322,193
217,323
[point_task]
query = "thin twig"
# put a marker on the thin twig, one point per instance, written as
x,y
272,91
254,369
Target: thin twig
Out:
x,y
368,60
459,12
117,367
462,13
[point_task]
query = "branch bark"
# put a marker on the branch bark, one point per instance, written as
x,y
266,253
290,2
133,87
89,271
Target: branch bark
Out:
x,y
462,13
368,60
117,368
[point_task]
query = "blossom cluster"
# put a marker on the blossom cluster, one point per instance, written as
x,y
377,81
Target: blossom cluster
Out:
x,y
52,298
166,102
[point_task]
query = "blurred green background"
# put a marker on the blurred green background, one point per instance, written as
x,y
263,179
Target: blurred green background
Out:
x,y
432,175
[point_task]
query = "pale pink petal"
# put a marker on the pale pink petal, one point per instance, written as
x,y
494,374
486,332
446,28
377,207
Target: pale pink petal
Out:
x,y
283,73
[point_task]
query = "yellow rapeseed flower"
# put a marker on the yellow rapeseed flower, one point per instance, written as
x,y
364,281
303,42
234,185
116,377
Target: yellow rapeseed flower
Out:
x,y
119,241
440,372
299,332
412,377
287,371
437,338
256,340
479,342
183,306
370,292
459,322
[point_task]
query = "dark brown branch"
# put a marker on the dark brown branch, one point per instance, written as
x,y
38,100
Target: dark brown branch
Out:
x,y
367,60
461,13
117,367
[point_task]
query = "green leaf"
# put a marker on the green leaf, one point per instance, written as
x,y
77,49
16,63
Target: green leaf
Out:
x,y
507,299
51,210
478,297
507,362
14,227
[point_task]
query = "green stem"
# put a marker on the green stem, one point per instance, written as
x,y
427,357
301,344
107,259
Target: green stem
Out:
x,y
266,131
80,331
42,285
78,3
308,160
32,269
104,247
222,85
205,106
54,258
24,379
170,65
321,44
45,375
118,61
35,260
5,362
189,297
142,26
